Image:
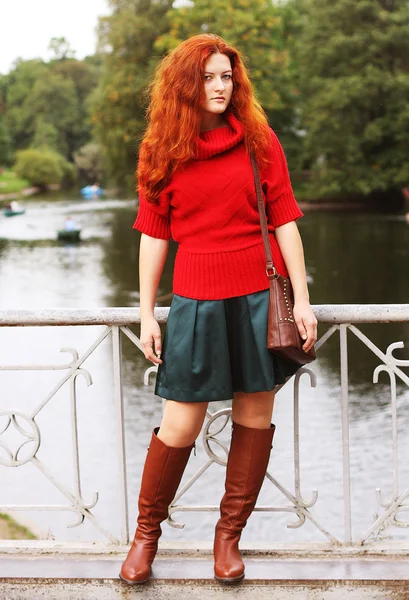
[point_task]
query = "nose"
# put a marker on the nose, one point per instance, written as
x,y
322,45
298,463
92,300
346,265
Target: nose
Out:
x,y
219,84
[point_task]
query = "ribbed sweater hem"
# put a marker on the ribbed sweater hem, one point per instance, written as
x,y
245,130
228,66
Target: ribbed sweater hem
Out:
x,y
222,275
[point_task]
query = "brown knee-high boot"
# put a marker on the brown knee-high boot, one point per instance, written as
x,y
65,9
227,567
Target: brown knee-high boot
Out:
x,y
246,467
162,473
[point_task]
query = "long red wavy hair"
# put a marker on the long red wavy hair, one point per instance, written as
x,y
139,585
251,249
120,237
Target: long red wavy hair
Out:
x,y
174,112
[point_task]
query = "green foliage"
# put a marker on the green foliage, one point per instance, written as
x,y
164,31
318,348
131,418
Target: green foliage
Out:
x,y
10,183
5,142
70,174
90,161
45,134
41,167
18,89
47,104
127,40
333,77
84,77
61,48
55,102
5,137
355,83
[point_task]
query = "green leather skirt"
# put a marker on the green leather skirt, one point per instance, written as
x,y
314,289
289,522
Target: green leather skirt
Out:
x,y
213,348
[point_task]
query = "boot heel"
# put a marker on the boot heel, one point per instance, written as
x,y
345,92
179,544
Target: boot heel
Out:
x,y
229,580
129,582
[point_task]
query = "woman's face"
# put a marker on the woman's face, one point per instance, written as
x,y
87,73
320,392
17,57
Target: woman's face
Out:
x,y
218,84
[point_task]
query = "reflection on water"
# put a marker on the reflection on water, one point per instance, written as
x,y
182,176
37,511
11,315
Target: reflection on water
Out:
x,y
351,258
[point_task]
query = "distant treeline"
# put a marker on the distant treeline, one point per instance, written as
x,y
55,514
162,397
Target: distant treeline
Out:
x,y
333,78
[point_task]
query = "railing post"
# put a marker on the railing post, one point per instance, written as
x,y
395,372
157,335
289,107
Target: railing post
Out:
x,y
345,432
120,423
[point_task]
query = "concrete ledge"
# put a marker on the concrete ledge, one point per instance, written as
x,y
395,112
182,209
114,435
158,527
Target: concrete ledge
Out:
x,y
114,590
74,578
191,549
261,569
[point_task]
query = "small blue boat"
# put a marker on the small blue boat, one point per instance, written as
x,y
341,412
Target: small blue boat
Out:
x,y
91,191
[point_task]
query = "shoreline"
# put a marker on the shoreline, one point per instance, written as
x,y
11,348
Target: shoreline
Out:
x,y
16,195
305,205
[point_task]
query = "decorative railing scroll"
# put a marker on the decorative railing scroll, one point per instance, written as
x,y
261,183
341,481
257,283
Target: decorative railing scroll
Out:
x,y
295,502
10,458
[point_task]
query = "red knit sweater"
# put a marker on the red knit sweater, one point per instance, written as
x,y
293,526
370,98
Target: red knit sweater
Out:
x,y
210,208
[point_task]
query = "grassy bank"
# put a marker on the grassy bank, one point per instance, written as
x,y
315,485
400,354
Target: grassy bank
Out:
x,y
10,183
10,530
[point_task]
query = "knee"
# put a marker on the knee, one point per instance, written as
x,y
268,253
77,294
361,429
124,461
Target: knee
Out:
x,y
183,434
253,410
181,424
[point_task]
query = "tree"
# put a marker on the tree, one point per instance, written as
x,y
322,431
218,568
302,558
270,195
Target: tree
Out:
x,y
18,90
5,138
60,47
126,38
45,134
90,162
84,76
41,167
355,85
54,99
5,142
47,103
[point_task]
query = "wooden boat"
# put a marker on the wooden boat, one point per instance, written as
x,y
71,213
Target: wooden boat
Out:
x,y
69,235
9,212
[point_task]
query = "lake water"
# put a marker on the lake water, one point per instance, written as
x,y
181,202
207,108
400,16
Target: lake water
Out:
x,y
351,257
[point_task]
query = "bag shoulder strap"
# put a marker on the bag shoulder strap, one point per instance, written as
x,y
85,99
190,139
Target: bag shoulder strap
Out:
x,y
270,268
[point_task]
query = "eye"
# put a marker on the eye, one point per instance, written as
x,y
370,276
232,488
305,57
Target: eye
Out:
x,y
208,77
227,76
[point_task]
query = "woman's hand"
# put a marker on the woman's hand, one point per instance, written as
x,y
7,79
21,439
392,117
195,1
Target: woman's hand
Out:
x,y
306,323
151,339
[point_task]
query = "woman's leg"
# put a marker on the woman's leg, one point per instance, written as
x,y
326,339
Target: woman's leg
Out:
x,y
249,454
181,423
168,453
253,410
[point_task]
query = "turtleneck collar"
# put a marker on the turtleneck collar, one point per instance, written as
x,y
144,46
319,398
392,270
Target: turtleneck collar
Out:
x,y
215,141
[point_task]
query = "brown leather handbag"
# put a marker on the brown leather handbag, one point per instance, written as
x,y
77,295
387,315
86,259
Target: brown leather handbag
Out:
x,y
283,337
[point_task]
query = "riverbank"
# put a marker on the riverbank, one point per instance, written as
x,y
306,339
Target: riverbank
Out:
x,y
306,205
13,188
11,530
16,195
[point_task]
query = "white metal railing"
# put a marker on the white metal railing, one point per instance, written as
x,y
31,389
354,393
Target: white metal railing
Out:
x,y
116,322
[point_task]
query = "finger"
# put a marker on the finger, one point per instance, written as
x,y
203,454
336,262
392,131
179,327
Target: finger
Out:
x,y
153,358
302,330
310,337
149,354
158,344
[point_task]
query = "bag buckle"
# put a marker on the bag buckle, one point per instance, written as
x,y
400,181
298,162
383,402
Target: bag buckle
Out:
x,y
271,272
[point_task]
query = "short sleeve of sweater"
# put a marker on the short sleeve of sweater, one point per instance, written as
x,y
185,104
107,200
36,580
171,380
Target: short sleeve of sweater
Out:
x,y
281,206
153,218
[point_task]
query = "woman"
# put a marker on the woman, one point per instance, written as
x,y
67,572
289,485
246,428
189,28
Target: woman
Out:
x,y
196,185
